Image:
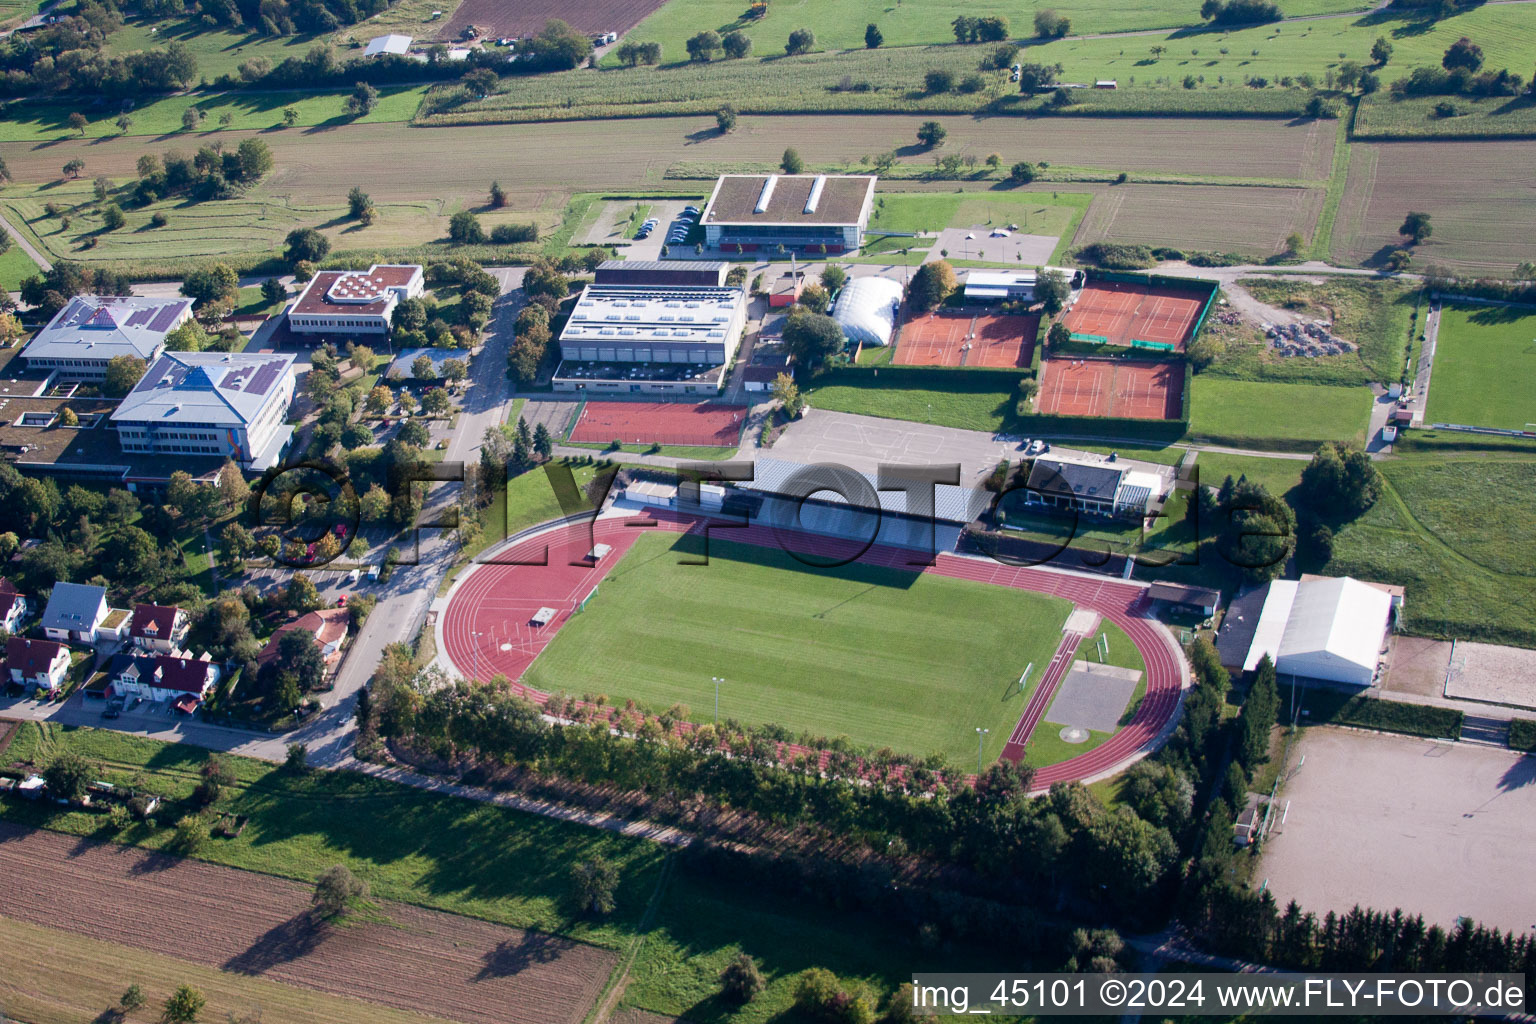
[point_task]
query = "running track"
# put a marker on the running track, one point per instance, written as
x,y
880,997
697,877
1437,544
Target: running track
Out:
x,y
485,628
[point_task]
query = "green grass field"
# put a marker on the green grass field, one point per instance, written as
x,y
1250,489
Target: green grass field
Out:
x,y
1485,360
15,266
218,51
1258,413
1464,563
914,22
912,662
1222,67
1277,475
32,121
987,409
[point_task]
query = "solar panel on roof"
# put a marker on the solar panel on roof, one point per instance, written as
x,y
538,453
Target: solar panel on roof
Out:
x,y
264,378
165,317
139,317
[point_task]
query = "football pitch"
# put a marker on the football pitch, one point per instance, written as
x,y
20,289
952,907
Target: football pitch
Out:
x,y
1484,361
914,662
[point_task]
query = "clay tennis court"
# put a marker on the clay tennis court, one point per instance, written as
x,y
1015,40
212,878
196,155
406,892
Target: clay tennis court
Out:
x,y
703,423
967,339
1136,389
1122,313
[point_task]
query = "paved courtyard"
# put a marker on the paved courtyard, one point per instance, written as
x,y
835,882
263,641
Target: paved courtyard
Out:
x,y
1017,249
863,442
1440,829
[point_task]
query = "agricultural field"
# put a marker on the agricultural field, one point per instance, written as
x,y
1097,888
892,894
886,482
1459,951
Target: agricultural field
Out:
x,y
1376,315
501,866
1478,194
913,662
461,966
1423,534
917,21
1254,221
1269,415
86,977
28,121
1485,360
1386,117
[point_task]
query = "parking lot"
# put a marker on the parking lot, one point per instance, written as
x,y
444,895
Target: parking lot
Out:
x,y
1441,829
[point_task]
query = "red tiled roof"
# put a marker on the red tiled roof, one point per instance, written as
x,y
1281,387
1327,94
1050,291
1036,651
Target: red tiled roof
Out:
x,y
329,625
153,621
7,587
186,674
32,657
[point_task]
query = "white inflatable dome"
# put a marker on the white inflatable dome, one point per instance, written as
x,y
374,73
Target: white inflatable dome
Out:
x,y
866,308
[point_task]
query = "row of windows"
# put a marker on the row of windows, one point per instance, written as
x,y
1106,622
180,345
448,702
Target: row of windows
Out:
x,y
730,232
594,354
377,323
136,446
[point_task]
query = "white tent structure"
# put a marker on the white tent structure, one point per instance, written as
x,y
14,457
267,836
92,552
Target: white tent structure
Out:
x,y
1328,628
866,308
390,44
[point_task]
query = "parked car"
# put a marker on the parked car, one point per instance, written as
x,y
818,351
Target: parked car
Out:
x,y
114,709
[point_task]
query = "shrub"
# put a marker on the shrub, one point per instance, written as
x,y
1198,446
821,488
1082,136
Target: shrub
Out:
x,y
741,981
159,219
510,234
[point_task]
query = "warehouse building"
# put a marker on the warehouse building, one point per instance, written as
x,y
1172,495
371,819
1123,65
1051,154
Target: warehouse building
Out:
x,y
354,301
92,330
820,214
1318,627
652,328
211,404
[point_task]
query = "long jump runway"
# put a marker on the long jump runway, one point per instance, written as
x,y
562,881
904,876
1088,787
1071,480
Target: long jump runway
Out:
x,y
487,630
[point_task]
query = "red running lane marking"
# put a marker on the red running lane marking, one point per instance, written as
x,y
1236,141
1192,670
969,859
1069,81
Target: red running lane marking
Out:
x,y
1040,700
497,599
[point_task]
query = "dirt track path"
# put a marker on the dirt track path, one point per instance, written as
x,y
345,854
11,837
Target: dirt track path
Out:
x,y
456,967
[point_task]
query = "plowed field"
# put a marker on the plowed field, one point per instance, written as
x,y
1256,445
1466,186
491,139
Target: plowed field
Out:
x,y
455,967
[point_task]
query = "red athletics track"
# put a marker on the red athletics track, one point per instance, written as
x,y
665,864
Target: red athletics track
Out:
x,y
1040,700
496,600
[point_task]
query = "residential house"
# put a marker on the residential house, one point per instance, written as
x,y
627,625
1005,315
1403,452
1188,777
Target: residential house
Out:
x,y
74,611
184,681
158,628
329,626
39,663
14,607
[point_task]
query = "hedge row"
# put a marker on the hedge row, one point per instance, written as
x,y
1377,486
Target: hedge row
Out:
x,y
1522,735
1332,708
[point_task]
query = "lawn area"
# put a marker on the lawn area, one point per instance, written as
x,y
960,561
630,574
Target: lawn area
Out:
x,y
1271,415
911,661
15,267
409,844
1485,361
1277,475
1465,564
29,121
985,409
909,212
